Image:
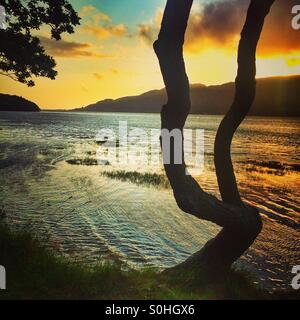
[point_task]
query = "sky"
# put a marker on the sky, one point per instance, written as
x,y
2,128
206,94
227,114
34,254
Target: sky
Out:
x,y
110,54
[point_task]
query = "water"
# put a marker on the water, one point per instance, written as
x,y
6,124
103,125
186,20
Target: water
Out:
x,y
90,216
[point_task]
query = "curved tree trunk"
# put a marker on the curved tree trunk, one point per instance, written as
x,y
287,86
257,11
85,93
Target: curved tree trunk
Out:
x,y
244,96
241,223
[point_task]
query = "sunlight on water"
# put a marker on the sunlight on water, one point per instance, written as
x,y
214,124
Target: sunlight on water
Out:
x,y
50,182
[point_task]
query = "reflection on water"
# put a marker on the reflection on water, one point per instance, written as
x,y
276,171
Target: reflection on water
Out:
x,y
50,180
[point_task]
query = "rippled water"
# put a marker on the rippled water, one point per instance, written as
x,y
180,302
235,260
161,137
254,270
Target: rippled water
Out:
x,y
49,182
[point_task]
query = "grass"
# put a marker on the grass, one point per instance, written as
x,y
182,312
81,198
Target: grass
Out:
x,y
148,179
271,167
87,162
34,272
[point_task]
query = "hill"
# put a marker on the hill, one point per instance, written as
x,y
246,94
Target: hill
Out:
x,y
15,103
276,96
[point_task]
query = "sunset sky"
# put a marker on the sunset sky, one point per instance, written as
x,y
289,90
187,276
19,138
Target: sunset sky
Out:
x,y
110,53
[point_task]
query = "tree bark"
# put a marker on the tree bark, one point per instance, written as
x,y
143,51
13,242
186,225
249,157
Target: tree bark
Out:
x,y
244,96
241,223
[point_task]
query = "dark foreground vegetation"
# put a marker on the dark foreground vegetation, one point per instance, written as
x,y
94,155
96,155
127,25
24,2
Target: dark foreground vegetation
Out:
x,y
33,272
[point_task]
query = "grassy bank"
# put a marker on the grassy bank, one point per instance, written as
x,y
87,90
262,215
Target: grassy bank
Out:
x,y
35,273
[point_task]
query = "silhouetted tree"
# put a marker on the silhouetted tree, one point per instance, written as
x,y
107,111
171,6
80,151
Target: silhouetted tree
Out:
x,y
21,53
240,222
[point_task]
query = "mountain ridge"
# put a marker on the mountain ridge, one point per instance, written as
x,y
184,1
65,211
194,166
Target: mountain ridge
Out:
x,y
276,96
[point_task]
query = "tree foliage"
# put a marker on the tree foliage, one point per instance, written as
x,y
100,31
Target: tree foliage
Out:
x,y
21,53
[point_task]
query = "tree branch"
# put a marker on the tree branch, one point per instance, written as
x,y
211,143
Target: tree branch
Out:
x,y
9,75
244,96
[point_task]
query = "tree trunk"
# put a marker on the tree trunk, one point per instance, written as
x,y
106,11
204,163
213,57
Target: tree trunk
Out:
x,y
244,96
241,223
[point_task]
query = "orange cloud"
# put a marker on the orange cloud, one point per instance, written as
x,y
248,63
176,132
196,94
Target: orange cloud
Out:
x,y
278,36
69,49
219,23
105,32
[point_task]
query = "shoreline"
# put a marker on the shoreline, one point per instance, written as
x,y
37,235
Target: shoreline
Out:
x,y
35,272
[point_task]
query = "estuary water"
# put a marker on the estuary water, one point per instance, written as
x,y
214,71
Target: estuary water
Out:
x,y
92,209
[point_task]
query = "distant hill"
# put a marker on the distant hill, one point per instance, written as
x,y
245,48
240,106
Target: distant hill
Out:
x,y
276,96
15,103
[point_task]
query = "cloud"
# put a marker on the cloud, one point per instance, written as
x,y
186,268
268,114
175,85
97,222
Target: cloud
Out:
x,y
68,49
102,32
99,24
98,76
216,23
85,10
213,23
148,31
278,35
219,23
93,13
